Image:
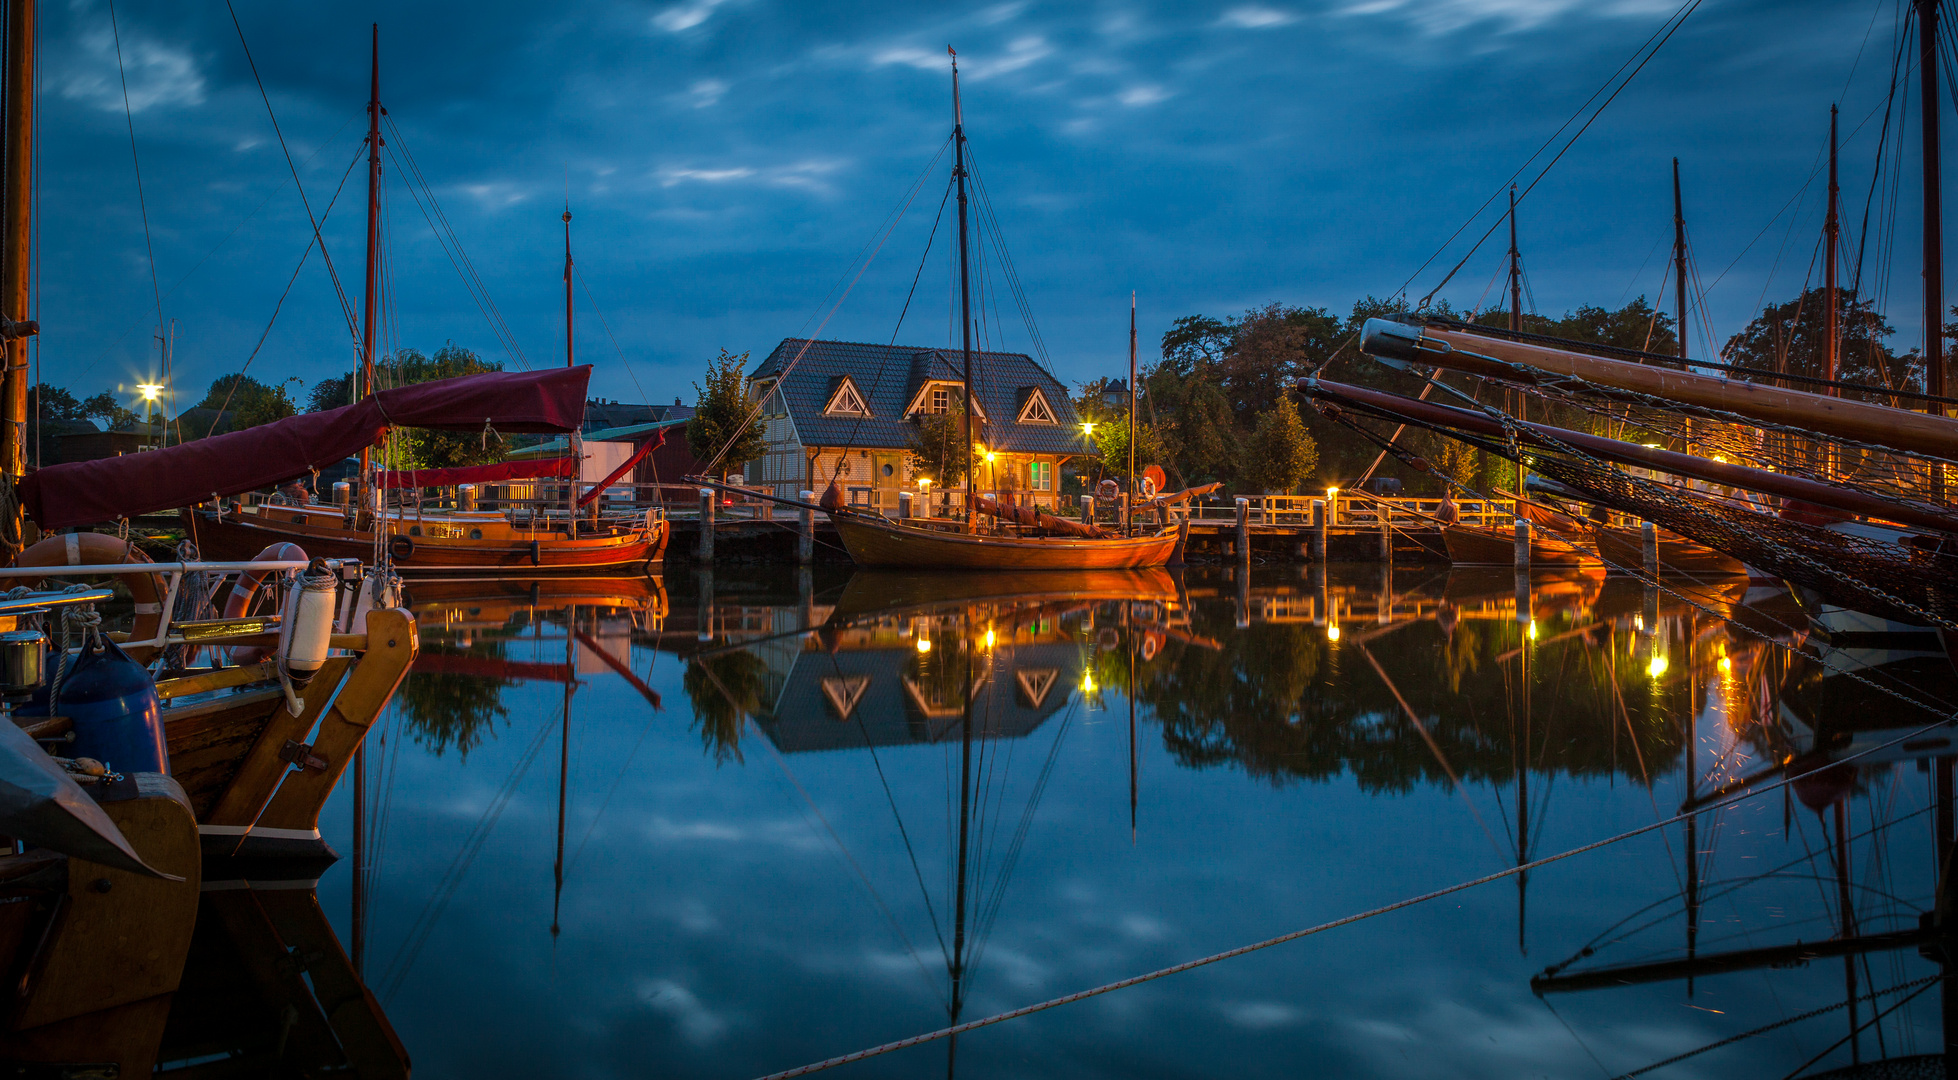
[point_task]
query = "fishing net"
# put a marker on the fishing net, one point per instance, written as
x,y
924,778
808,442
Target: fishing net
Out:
x,y
1909,480
1911,584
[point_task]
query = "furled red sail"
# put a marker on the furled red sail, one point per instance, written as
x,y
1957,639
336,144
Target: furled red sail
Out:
x,y
560,468
81,492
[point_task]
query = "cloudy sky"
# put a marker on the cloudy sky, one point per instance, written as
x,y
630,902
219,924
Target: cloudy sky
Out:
x,y
727,161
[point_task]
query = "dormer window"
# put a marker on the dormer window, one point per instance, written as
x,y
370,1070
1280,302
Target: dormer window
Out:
x,y
1035,410
936,398
846,401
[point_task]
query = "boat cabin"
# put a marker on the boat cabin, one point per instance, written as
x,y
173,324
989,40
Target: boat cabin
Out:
x,y
853,411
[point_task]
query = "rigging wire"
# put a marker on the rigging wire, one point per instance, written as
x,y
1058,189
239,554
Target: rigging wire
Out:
x,y
579,273
346,305
142,203
1647,50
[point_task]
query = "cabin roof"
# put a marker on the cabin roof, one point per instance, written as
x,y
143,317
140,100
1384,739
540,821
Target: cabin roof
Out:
x,y
890,376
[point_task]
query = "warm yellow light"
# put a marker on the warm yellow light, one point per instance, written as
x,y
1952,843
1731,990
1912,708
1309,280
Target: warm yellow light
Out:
x,y
924,645
1087,682
1721,458
1088,428
990,456
989,637
1332,493
1332,633
1638,622
1657,667
1532,630
1652,446
924,482
1726,665
150,391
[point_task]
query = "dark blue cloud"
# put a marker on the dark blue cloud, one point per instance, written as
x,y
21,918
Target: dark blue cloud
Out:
x,y
726,161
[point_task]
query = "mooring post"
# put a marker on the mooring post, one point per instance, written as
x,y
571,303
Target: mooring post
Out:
x,y
1524,615
805,539
903,505
704,551
1088,509
703,612
1649,542
1243,595
1322,530
1523,544
1243,531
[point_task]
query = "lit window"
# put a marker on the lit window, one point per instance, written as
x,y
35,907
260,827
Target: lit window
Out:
x,y
1042,475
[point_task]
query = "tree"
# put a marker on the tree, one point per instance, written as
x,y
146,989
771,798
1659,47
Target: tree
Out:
x,y
1281,455
938,447
53,403
1792,336
1195,342
1112,447
106,408
720,430
1271,347
331,393
422,447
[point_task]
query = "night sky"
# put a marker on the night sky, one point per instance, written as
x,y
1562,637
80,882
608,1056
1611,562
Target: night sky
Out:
x,y
727,160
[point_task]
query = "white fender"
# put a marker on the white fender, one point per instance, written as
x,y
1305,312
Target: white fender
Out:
x,y
379,588
306,629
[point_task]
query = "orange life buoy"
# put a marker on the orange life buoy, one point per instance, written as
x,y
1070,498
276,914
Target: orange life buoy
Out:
x,y
101,549
237,603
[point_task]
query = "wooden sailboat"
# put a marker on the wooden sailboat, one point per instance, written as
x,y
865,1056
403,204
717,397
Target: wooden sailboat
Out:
x,y
575,536
1051,543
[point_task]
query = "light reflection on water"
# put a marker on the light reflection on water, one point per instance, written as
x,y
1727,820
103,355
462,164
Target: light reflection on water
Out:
x,y
714,827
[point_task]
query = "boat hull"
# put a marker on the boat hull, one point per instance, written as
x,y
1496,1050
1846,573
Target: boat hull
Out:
x,y
878,544
1624,546
1471,546
243,537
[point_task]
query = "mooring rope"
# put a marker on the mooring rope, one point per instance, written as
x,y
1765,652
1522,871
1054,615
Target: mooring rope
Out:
x,y
1412,901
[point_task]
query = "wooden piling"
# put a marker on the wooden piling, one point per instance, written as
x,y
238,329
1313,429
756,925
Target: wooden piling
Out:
x,y
1523,544
1649,543
1322,523
704,550
1243,531
1386,533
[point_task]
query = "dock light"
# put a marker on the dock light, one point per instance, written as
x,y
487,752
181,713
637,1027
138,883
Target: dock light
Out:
x,y
1726,665
1087,682
990,456
1532,630
1657,667
1332,632
989,637
150,391
924,645
924,482
1088,428
1332,493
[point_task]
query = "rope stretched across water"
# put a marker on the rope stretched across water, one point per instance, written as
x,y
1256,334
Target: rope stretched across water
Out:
x,y
1187,965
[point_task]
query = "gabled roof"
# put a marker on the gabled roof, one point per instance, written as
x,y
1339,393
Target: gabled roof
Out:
x,y
889,376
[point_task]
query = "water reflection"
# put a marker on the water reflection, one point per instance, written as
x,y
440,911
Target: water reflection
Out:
x,y
894,801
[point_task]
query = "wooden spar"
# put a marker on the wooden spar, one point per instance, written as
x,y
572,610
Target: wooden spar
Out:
x,y
1879,425
1848,500
1679,258
965,285
567,285
1927,66
16,250
1128,514
366,380
1832,230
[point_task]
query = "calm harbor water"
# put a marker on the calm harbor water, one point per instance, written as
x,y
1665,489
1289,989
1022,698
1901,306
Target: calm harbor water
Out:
x,y
713,827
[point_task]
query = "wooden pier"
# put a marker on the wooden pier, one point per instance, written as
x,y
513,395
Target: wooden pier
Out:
x,y
1340,527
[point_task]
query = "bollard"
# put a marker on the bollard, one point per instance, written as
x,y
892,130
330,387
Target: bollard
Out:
x,y
903,505
1649,542
1243,530
1088,509
704,550
1322,530
1523,544
466,497
805,540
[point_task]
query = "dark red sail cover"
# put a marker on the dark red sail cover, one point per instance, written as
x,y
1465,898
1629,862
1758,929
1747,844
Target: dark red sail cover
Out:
x,y
83,492
539,468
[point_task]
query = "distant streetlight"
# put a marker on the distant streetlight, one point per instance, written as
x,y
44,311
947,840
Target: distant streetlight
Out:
x,y
150,391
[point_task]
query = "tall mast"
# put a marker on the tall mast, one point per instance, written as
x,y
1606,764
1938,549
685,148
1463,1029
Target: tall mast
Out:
x,y
564,757
567,284
365,385
1832,229
1927,66
1516,325
1128,513
16,249
965,815
1679,258
965,286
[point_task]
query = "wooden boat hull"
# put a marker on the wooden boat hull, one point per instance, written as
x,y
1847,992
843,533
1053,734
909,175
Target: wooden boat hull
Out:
x,y
243,537
1624,546
1472,546
878,544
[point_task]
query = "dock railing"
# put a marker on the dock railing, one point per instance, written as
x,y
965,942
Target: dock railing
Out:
x,y
1356,509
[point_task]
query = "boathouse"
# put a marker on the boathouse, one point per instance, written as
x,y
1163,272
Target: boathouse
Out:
x,y
853,411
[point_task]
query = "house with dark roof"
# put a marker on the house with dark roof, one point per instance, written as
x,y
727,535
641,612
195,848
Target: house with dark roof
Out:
x,y
848,410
